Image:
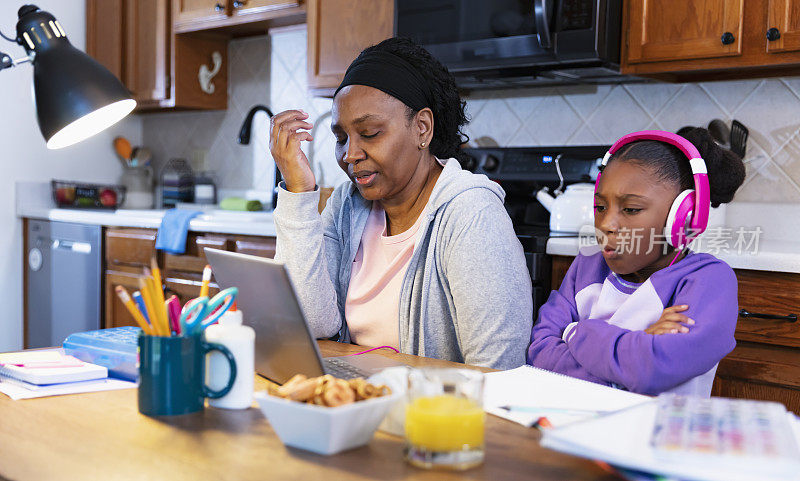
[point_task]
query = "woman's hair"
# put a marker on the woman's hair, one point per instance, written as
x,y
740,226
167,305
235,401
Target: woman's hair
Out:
x,y
725,169
448,109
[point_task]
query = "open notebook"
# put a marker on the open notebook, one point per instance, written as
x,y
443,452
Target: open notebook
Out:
x,y
532,393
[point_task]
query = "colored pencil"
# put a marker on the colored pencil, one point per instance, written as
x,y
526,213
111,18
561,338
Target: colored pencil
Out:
x,y
137,315
174,311
137,298
206,281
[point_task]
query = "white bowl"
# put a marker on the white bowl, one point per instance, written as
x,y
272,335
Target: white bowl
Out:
x,y
322,429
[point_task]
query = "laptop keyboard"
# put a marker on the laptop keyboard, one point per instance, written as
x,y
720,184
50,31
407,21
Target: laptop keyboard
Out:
x,y
342,369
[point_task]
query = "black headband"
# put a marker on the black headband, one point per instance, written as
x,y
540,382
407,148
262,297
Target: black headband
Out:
x,y
391,74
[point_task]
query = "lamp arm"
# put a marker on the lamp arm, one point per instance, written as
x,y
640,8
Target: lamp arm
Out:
x,y
7,62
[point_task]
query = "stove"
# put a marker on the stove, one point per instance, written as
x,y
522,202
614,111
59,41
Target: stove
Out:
x,y
522,171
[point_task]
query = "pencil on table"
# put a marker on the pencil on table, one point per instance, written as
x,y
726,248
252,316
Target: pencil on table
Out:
x,y
137,315
206,281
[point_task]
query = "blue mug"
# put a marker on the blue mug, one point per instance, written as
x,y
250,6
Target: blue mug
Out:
x,y
172,374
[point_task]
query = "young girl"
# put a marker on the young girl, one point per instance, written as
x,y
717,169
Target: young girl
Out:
x,y
645,313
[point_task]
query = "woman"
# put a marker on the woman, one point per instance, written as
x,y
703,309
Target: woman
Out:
x,y
414,252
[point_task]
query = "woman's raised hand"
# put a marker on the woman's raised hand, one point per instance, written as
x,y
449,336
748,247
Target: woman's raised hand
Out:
x,y
287,130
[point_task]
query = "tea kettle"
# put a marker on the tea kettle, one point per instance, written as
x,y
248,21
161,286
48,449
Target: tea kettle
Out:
x,y
570,210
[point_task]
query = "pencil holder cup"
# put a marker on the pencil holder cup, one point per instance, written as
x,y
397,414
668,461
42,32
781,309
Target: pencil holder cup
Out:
x,y
172,374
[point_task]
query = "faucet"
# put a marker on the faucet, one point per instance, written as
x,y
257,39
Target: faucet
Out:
x,y
247,126
244,139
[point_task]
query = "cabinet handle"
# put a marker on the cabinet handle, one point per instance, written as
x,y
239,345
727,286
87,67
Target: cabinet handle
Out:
x,y
788,317
239,4
219,7
728,38
773,34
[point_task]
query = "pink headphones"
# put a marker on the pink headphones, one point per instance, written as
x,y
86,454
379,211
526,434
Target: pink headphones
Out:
x,y
688,216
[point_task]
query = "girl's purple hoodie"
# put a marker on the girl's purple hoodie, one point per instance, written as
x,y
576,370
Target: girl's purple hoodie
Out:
x,y
592,327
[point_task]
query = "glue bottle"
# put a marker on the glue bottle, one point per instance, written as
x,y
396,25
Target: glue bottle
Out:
x,y
240,340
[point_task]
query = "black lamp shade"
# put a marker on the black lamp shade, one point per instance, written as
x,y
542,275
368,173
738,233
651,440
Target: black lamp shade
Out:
x,y
75,96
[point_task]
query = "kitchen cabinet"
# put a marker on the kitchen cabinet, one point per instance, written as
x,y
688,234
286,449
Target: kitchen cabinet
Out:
x,y
236,18
765,364
135,40
129,250
682,29
685,40
338,30
766,361
783,26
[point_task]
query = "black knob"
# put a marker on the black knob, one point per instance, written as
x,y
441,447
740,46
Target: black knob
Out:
x,y
469,163
219,7
773,34
491,163
728,38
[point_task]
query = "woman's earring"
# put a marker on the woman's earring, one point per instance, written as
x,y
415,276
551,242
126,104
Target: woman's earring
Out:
x,y
422,145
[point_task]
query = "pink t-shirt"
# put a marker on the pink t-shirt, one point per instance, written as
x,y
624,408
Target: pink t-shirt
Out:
x,y
373,297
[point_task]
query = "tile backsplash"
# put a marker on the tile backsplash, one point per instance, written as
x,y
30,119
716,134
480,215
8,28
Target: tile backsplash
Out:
x,y
271,70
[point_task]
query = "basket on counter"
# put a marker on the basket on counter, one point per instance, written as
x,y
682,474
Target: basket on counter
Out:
x,y
87,196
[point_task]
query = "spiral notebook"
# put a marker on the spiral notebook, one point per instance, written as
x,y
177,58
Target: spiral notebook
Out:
x,y
526,394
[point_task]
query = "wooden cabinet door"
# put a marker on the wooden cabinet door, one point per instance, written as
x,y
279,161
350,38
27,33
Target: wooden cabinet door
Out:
x,y
104,42
784,16
201,10
116,314
338,30
663,30
147,49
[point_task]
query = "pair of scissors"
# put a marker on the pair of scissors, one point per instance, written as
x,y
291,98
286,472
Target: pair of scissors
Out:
x,y
199,313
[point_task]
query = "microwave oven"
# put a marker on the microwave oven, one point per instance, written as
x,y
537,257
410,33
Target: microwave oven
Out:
x,y
510,43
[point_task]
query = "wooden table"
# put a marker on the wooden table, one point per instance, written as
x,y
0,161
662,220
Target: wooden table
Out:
x,y
102,436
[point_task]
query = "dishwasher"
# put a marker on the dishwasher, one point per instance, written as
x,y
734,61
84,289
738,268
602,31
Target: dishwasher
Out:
x,y
63,281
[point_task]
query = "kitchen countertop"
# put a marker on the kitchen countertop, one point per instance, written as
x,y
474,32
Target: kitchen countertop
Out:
x,y
770,255
34,201
747,235
777,247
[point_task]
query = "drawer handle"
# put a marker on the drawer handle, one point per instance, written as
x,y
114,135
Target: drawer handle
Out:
x,y
788,317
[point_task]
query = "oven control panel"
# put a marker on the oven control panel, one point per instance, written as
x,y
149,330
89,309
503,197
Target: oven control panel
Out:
x,y
537,164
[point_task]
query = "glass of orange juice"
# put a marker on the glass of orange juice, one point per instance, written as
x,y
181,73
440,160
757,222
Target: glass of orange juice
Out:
x,y
444,418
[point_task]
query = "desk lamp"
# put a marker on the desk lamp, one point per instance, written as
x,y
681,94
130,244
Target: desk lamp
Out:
x,y
75,96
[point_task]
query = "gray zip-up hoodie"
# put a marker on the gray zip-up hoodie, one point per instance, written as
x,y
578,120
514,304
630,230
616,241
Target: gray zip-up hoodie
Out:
x,y
466,296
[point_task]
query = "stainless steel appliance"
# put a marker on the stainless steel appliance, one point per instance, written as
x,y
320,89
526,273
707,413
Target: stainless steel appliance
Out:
x,y
511,43
522,171
63,281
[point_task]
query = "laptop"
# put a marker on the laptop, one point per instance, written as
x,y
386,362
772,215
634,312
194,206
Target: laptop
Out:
x,y
284,344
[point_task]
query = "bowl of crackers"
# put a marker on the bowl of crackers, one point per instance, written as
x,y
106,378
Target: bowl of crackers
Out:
x,y
325,415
